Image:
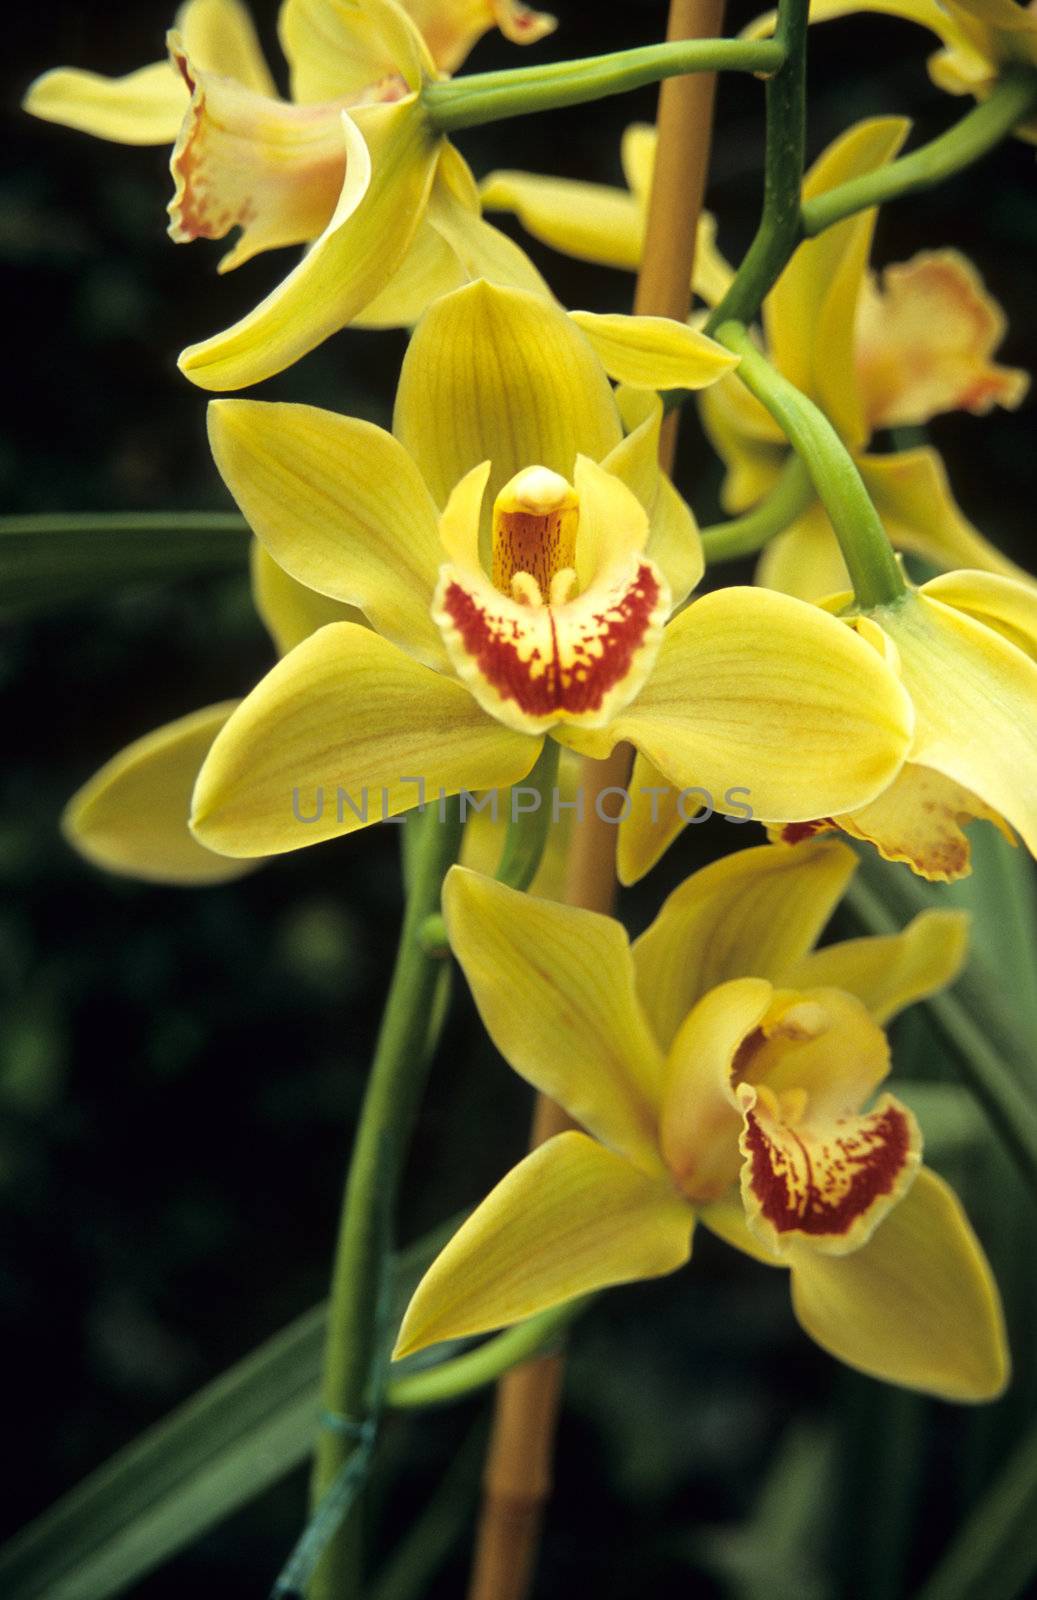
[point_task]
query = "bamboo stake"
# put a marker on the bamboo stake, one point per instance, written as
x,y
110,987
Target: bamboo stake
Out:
x,y
517,1478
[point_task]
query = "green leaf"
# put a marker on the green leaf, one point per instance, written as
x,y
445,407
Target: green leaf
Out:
x,y
233,1439
47,561
994,1554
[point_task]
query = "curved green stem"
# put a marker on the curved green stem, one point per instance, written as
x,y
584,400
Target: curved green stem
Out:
x,y
869,558
352,1371
484,1365
743,536
780,228
978,132
491,96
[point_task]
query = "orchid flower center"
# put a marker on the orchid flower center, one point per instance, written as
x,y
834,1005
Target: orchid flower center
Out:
x,y
535,519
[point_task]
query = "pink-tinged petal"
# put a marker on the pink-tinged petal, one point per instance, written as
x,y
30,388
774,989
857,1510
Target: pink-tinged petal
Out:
x,y
925,337
830,1185
391,154
244,160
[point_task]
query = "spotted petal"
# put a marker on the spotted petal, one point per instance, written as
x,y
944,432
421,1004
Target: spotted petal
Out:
x,y
451,28
920,820
578,661
830,1183
572,1217
338,51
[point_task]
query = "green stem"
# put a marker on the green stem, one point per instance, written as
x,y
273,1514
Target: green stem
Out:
x,y
1010,1107
390,1103
491,96
780,229
523,843
978,132
484,1365
869,558
743,536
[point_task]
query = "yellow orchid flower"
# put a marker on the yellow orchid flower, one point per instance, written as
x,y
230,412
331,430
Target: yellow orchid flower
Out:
x,y
535,605
965,645
351,166
599,223
724,1072
979,38
873,353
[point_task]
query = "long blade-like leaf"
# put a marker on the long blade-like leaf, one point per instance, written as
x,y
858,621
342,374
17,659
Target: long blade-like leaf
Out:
x,y
233,1439
46,561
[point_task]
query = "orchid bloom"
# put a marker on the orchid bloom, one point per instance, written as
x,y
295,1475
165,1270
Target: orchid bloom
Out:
x,y
535,605
965,645
351,166
873,353
596,222
979,38
724,1072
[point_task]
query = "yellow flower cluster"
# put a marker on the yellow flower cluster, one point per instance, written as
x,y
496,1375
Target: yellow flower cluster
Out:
x,y
509,566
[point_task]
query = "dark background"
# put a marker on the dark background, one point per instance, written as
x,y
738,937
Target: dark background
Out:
x,y
179,1070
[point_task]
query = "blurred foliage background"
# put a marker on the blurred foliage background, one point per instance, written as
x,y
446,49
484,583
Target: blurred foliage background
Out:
x,y
179,1070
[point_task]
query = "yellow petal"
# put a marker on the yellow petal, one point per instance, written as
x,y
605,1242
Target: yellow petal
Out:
x,y
890,971
746,438
657,816
917,1305
144,107
1000,603
220,36
912,496
975,699
753,914
726,1219
805,560
337,51
555,989
463,398
919,820
700,1120
810,314
249,161
481,250
570,1218
429,269
340,506
654,352
924,341
451,27
673,539
826,1183
390,160
131,817
590,221
288,610
338,735
744,680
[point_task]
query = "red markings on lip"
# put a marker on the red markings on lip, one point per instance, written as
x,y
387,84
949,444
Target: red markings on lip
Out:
x,y
823,1187
589,653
